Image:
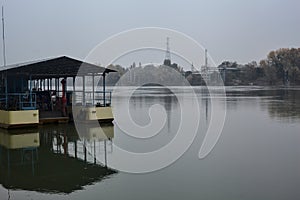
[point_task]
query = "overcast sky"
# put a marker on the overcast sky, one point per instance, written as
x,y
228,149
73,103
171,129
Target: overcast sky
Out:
x,y
235,30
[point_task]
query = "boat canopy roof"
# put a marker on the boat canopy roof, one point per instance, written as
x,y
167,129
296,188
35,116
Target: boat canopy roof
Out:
x,y
57,67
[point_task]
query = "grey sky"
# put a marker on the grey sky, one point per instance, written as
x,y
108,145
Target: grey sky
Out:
x,y
236,30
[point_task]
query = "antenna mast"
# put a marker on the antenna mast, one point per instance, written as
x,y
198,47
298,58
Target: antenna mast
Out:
x,y
206,58
167,60
205,71
168,54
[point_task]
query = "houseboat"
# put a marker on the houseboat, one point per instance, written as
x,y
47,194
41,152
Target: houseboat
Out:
x,y
53,90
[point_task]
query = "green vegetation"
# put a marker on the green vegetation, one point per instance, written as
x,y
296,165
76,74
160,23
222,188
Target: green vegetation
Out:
x,y
281,67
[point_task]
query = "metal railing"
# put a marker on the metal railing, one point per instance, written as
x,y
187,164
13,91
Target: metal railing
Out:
x,y
18,101
98,99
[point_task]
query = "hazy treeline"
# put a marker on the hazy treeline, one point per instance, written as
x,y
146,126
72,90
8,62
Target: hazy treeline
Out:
x,y
280,67
282,64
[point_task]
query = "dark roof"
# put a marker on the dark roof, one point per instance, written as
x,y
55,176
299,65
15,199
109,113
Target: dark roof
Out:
x,y
62,66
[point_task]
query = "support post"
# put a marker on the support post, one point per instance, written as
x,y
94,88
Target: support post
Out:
x,y
103,79
55,84
75,147
74,92
30,91
50,83
58,87
83,90
93,94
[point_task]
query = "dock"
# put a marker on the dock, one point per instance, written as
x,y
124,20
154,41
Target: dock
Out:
x,y
38,92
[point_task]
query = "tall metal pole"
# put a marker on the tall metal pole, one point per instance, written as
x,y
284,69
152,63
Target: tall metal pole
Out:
x,y
3,38
4,59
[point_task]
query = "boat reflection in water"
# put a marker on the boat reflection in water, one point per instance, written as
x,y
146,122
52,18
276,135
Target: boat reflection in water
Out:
x,y
53,159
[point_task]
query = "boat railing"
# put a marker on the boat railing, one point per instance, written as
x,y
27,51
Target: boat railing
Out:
x,y
98,99
18,101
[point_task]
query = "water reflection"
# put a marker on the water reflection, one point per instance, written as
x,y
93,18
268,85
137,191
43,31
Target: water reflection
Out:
x,y
19,148
286,104
255,155
52,159
140,103
282,103
149,96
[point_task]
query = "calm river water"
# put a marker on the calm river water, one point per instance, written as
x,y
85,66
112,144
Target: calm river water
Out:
x,y
256,157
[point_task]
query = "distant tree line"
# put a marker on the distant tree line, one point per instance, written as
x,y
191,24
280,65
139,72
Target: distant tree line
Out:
x,y
150,74
281,67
